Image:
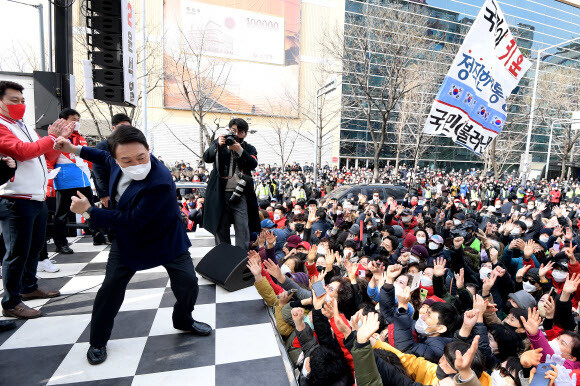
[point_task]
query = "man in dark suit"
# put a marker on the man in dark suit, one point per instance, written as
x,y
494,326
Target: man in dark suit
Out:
x,y
232,164
147,231
101,173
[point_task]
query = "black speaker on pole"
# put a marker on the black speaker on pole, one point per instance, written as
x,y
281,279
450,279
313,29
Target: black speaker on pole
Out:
x,y
104,38
225,265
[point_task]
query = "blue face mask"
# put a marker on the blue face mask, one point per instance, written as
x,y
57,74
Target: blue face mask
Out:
x,y
191,204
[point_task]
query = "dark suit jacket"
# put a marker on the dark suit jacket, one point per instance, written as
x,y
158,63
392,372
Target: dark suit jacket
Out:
x,y
146,220
101,173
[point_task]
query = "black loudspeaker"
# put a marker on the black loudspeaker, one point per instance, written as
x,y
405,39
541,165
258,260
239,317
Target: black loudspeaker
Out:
x,y
104,27
225,265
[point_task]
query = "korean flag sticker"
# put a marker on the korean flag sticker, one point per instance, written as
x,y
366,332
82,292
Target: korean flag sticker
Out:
x,y
483,113
455,91
497,122
469,100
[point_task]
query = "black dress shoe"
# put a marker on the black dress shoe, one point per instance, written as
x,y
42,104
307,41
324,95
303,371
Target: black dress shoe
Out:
x,y
200,328
65,249
7,325
96,355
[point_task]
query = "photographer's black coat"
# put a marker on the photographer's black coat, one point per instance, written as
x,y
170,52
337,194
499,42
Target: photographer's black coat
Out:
x,y
214,195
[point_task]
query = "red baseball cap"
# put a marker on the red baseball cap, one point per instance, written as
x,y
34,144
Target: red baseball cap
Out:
x,y
304,244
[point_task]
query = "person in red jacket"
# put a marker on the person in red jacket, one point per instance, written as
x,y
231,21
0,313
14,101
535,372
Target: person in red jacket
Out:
x,y
22,201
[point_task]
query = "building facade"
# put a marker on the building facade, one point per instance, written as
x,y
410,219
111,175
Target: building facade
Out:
x,y
535,24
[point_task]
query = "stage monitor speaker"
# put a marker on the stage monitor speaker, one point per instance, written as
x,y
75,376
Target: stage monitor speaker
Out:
x,y
225,265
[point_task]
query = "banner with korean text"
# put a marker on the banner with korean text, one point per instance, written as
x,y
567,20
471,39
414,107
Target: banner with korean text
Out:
x,y
470,107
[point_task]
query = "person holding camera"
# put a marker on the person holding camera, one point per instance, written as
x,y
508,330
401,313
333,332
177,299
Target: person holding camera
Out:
x,y
230,192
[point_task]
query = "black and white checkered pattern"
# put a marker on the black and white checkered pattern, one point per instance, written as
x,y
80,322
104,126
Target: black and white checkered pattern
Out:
x,y
144,348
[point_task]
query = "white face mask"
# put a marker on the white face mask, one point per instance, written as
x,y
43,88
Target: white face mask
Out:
x,y
433,246
421,326
413,260
277,217
544,238
338,212
430,234
137,172
498,206
555,346
515,232
530,207
529,287
559,276
285,269
77,126
320,250
484,272
529,223
426,281
456,222
421,240
406,219
497,379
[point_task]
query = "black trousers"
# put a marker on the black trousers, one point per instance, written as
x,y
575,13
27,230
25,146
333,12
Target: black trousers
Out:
x,y
63,201
23,229
112,293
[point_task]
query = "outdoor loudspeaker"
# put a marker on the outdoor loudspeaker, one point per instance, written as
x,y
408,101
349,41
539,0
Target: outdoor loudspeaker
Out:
x,y
109,93
111,77
225,265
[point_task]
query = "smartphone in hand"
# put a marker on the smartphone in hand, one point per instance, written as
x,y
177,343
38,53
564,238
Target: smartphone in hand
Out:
x,y
318,289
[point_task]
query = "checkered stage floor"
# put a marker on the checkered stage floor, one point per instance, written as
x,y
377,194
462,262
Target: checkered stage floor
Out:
x,y
144,348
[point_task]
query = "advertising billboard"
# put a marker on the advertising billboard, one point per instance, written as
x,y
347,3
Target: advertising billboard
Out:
x,y
239,56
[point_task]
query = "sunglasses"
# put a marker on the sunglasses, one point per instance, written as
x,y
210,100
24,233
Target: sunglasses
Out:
x,y
505,373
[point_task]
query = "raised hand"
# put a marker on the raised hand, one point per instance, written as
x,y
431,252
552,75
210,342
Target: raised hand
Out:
x,y
532,324
298,315
393,272
274,270
499,271
261,239
571,284
570,252
370,325
64,145
403,297
545,269
311,257
256,268
439,267
61,128
550,307
531,358
488,282
521,272
460,278
470,318
271,239
458,242
529,248
357,317
284,298
329,258
463,361
493,255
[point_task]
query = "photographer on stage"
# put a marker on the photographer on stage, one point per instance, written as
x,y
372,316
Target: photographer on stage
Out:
x,y
230,191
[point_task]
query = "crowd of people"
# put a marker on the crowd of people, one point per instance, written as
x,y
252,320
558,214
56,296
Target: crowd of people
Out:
x,y
469,279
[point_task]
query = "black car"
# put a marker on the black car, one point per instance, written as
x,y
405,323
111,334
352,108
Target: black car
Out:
x,y
385,191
